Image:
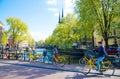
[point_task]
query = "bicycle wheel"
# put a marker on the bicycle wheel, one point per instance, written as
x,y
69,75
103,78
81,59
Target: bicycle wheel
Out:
x,y
60,61
40,59
82,61
85,69
107,68
51,60
85,65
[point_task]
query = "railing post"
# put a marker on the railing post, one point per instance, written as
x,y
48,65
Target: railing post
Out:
x,y
16,54
2,52
8,54
24,55
69,59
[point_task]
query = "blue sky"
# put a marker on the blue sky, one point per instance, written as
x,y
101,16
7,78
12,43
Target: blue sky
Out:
x,y
41,16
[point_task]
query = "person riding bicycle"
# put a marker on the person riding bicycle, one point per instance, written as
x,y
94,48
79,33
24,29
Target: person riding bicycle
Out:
x,y
55,51
101,55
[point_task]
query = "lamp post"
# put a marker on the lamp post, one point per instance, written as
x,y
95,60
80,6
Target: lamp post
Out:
x,y
16,52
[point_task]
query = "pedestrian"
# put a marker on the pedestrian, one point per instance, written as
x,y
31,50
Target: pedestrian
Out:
x,y
44,55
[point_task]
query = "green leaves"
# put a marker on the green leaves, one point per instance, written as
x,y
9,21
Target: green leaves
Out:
x,y
41,42
29,39
66,33
4,40
17,30
98,15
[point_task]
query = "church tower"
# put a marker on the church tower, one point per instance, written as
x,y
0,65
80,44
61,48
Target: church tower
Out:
x,y
59,20
62,13
61,16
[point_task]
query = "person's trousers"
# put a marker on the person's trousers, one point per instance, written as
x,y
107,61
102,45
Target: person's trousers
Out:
x,y
100,59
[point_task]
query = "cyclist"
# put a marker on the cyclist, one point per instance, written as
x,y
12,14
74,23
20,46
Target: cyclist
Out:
x,y
55,52
101,55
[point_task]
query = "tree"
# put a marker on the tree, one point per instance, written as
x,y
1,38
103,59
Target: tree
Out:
x,y
30,40
66,33
4,40
17,30
100,14
41,42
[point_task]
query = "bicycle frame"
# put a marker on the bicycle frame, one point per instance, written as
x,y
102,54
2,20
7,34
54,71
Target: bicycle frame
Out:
x,y
85,59
92,64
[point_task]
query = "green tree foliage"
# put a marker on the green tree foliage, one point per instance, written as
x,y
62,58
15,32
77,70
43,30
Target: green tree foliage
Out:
x,y
100,14
41,42
4,40
18,29
66,33
31,41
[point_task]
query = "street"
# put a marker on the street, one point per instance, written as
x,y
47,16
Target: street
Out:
x,y
27,70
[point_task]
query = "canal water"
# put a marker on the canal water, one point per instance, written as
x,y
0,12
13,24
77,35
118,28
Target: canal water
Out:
x,y
38,51
41,50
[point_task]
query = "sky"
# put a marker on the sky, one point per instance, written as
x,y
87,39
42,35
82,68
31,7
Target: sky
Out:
x,y
41,16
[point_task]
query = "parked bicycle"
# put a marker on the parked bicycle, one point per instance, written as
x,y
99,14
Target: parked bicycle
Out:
x,y
33,57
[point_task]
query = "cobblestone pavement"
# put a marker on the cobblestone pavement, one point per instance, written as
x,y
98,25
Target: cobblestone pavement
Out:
x,y
10,71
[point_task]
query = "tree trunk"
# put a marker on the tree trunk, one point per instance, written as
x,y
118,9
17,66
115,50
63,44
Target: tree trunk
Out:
x,y
105,36
106,42
93,41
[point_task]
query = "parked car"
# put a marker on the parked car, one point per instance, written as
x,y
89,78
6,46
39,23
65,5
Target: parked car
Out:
x,y
110,51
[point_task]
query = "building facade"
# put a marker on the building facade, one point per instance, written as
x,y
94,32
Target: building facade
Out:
x,y
1,30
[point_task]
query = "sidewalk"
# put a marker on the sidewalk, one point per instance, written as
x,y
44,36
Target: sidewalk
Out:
x,y
9,71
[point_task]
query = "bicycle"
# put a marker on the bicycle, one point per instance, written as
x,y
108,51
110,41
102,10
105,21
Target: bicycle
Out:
x,y
33,57
89,64
60,61
87,56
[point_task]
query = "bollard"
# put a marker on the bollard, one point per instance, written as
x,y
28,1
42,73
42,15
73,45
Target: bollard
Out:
x,y
69,59
16,55
2,52
7,54
24,55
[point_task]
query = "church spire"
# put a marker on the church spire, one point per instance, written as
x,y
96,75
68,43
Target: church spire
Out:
x,y
62,13
59,21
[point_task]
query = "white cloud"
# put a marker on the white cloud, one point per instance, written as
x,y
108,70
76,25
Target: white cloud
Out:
x,y
52,9
51,2
56,14
68,6
68,11
38,35
68,3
